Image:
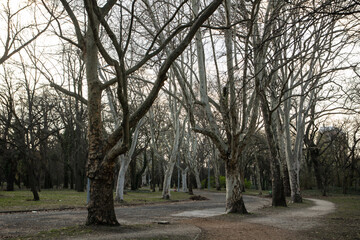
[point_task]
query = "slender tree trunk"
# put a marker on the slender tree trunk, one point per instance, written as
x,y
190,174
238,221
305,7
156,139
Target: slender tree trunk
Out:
x,y
216,172
197,178
10,176
133,174
184,180
278,195
317,168
167,179
258,176
119,195
286,174
190,184
153,170
33,185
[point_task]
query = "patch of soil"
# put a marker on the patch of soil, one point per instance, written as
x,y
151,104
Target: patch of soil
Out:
x,y
333,228
235,229
198,198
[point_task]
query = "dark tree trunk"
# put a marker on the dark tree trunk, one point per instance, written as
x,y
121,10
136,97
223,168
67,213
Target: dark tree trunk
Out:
x,y
287,189
152,170
66,175
314,155
133,174
47,180
190,184
278,195
138,178
33,185
72,178
10,174
79,180
101,205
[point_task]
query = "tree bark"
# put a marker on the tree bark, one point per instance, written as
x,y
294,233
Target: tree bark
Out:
x,y
124,164
278,195
234,198
101,174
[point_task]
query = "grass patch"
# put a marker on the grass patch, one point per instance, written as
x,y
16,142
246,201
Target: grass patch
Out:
x,y
59,233
21,200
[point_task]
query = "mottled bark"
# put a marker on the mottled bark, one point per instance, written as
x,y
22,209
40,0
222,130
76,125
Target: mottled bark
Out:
x,y
234,197
101,174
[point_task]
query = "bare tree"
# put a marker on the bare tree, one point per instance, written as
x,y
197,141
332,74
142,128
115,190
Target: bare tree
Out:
x,y
103,152
18,33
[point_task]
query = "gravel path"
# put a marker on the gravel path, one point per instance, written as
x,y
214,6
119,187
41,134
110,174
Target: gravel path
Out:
x,y
18,224
297,219
185,220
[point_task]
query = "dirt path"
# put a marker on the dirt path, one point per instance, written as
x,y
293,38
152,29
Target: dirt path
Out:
x,y
186,220
296,219
283,224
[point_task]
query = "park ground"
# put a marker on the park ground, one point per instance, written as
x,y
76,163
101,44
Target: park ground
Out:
x,y
333,217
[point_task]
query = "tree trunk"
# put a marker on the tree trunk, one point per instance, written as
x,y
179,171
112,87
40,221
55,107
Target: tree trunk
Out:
x,y
258,176
216,173
317,168
190,184
10,176
286,174
119,195
101,205
278,195
152,170
33,185
234,198
167,179
184,180
197,178
295,188
133,174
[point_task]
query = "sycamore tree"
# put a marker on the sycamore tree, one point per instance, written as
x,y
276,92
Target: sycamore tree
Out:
x,y
107,32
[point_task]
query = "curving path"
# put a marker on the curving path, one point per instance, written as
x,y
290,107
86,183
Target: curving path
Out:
x,y
296,219
18,224
184,218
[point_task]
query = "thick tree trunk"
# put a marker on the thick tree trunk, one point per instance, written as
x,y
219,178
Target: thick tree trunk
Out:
x,y
101,205
278,195
234,198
